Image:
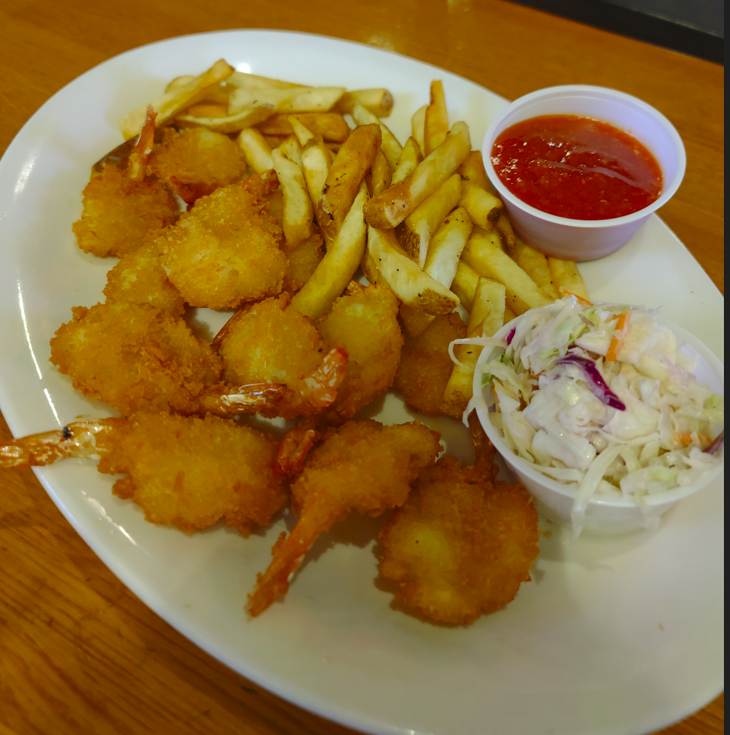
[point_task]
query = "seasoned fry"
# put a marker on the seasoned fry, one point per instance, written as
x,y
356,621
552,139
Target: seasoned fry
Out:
x,y
330,125
567,278
377,101
173,102
392,206
256,149
293,99
416,230
472,170
243,80
316,163
408,281
338,265
436,121
380,173
345,177
484,253
208,109
418,122
389,145
298,214
487,316
304,135
484,208
465,284
408,160
507,234
536,266
291,149
231,124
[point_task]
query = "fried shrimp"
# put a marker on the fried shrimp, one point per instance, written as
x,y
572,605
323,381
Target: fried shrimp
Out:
x,y
225,250
271,343
119,211
181,470
135,357
196,162
425,366
139,278
303,261
364,466
461,545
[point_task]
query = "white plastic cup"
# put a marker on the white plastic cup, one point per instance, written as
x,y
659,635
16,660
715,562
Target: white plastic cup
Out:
x,y
573,239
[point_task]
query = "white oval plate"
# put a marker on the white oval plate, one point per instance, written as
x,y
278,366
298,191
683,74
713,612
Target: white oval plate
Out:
x,y
611,636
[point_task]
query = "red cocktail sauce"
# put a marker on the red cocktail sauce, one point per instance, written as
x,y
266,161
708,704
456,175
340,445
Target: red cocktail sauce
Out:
x,y
576,167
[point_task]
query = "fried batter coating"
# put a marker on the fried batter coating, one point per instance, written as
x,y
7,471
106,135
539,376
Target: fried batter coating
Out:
x,y
135,357
139,278
365,321
225,250
190,472
118,212
303,261
425,366
461,545
364,466
271,343
196,162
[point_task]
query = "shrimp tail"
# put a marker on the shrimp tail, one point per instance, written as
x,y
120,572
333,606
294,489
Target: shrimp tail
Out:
x,y
254,398
321,387
294,448
137,167
77,439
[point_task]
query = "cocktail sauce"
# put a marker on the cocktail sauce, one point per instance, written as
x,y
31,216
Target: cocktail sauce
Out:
x,y
576,167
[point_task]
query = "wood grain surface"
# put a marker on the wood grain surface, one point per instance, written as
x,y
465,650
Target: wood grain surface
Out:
x,y
79,653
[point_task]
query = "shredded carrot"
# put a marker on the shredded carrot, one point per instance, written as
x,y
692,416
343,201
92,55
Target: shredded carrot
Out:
x,y
685,438
617,341
580,299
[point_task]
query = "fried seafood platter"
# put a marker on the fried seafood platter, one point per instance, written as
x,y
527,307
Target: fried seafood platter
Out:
x,y
347,268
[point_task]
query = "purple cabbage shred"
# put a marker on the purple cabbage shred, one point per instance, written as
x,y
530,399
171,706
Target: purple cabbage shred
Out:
x,y
717,444
595,380
510,336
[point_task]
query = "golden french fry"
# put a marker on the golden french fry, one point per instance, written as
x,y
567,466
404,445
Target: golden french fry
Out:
x,y
297,223
389,145
392,206
465,284
345,177
172,103
256,149
377,101
418,122
369,269
380,173
536,266
218,94
441,264
436,121
292,150
484,254
242,80
472,169
504,228
486,317
408,281
330,125
408,160
316,163
208,109
339,264
484,208
296,99
230,124
416,230
567,278
509,315
304,135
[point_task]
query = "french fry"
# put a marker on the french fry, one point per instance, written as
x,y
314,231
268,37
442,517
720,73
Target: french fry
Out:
x,y
486,317
377,101
297,223
507,234
339,264
345,177
243,80
472,170
412,286
217,94
330,125
441,264
509,315
230,124
536,266
292,150
304,135
418,122
380,173
567,278
256,149
484,254
465,284
295,99
208,109
484,208
170,104
410,157
316,163
416,230
392,206
436,121
390,145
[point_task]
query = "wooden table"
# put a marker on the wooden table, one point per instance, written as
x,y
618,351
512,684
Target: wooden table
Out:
x,y
78,652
